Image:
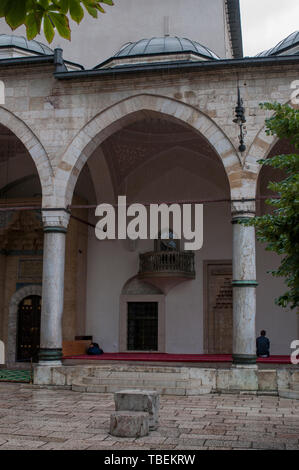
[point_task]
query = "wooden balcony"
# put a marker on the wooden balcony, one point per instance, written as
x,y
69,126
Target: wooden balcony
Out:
x,y
177,265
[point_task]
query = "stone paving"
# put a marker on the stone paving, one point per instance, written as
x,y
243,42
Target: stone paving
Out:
x,y
33,418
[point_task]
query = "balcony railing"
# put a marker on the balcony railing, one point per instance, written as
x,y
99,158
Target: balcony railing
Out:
x,y
167,263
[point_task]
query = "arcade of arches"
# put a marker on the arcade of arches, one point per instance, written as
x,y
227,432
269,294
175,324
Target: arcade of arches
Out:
x,y
103,289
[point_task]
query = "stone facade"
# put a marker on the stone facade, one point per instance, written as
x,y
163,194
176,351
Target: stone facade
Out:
x,y
62,123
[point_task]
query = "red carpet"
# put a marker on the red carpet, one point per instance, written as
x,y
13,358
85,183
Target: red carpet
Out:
x,y
163,357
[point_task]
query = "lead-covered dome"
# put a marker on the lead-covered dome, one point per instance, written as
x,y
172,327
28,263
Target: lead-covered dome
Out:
x,y
18,46
288,46
164,45
167,49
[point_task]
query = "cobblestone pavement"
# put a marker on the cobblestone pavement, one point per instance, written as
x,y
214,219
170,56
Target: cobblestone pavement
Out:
x,y
62,419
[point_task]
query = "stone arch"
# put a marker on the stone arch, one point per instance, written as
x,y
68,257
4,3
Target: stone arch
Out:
x,y
111,119
34,148
136,286
18,296
260,148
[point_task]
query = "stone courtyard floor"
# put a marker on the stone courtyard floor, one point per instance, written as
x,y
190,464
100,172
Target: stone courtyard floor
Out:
x,y
61,419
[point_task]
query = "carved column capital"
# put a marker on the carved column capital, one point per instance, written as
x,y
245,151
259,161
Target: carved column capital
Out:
x,y
55,220
242,209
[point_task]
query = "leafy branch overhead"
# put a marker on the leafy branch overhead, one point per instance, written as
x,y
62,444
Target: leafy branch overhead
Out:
x,y
280,228
49,15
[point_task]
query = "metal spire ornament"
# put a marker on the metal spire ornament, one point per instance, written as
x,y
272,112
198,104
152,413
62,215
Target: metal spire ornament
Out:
x,y
240,120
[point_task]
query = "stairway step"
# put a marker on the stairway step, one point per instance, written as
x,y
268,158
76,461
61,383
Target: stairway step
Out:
x,y
142,382
138,375
134,371
81,387
289,393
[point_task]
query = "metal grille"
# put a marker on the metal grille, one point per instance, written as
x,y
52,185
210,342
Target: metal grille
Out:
x,y
142,326
29,328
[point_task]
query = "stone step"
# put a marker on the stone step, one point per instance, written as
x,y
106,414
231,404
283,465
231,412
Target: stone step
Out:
x,y
289,393
137,375
117,372
82,387
142,381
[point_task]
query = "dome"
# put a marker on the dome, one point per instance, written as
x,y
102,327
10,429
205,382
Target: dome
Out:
x,y
287,46
164,45
19,42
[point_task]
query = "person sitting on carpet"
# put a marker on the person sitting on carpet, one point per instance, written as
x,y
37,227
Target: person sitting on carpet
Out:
x,y
262,345
94,349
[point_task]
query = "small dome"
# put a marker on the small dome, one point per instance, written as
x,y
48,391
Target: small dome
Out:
x,y
164,45
285,47
19,42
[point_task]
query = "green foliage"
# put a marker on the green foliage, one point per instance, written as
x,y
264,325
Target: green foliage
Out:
x,y
48,15
280,229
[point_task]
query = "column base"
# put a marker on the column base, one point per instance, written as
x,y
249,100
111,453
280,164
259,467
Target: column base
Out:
x,y
49,363
244,359
47,356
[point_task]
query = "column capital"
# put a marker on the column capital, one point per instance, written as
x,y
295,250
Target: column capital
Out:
x,y
55,220
242,209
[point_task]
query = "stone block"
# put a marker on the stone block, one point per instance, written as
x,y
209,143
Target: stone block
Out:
x,y
244,379
42,375
207,377
237,379
139,400
283,379
59,376
267,379
295,377
129,424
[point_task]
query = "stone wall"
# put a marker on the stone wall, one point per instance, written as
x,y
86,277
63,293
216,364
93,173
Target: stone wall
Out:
x,y
62,122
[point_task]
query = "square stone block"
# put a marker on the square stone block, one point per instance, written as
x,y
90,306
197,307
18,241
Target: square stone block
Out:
x,y
59,376
139,400
129,424
42,375
267,380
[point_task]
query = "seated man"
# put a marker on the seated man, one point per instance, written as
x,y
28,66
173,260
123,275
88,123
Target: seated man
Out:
x,y
262,345
94,349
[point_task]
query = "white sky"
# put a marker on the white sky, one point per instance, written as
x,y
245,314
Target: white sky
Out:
x,y
266,22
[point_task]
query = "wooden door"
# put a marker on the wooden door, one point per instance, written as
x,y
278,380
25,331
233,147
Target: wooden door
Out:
x,y
218,307
28,337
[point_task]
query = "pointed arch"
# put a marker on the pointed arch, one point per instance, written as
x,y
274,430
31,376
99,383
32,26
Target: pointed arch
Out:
x,y
34,148
260,148
123,113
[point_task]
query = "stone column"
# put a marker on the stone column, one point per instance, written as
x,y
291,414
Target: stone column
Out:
x,y
55,228
2,292
244,285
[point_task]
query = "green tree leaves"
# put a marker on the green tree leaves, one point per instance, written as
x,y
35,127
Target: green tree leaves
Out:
x,y
61,23
280,229
49,15
15,13
76,11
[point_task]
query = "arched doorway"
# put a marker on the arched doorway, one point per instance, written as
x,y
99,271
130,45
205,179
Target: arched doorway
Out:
x,y
28,334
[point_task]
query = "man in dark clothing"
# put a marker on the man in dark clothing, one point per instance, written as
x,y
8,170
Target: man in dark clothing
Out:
x,y
262,345
94,349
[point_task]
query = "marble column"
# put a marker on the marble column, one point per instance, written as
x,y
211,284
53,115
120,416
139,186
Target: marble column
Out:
x,y
244,285
2,292
55,228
